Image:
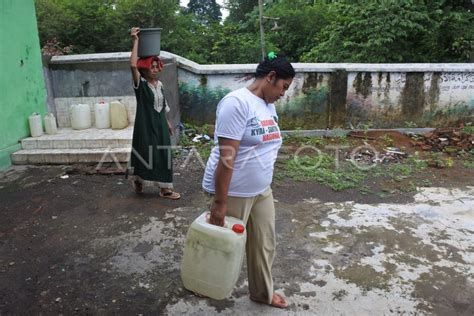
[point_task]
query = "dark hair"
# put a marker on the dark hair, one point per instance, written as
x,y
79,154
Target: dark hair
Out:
x,y
279,64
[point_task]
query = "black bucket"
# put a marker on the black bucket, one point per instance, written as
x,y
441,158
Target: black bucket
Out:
x,y
149,42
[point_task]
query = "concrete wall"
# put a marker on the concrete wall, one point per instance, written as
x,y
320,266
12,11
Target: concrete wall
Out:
x,y
321,96
93,78
343,95
21,78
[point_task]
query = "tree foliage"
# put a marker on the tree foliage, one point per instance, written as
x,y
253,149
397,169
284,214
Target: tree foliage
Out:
x,y
205,11
378,31
238,9
394,31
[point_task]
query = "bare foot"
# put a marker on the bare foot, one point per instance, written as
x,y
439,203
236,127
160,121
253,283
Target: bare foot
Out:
x,y
277,301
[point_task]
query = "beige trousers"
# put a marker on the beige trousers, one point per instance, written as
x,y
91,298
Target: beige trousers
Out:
x,y
258,213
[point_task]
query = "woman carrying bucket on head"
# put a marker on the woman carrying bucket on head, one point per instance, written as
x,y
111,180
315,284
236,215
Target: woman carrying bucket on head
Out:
x,y
239,171
151,145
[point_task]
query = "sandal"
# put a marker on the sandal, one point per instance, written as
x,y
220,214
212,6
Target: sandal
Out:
x,y
170,195
277,301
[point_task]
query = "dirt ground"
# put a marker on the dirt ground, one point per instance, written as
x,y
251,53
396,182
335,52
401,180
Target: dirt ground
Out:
x,y
74,242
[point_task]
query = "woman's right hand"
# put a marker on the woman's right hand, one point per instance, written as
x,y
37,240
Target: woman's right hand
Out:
x,y
134,33
218,214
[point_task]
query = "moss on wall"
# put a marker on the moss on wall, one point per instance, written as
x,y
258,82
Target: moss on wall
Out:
x,y
203,80
433,94
306,111
451,116
312,81
363,84
199,103
412,99
337,99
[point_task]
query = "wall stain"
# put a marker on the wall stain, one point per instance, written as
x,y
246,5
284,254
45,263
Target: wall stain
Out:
x,y
386,92
412,98
337,111
363,84
203,80
433,94
380,78
311,81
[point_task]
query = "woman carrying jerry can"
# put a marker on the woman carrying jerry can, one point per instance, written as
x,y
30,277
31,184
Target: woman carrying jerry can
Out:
x,y
239,171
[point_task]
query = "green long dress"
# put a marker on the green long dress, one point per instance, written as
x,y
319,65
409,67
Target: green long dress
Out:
x,y
151,145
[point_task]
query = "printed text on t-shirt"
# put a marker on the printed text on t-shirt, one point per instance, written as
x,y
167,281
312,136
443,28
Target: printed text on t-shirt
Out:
x,y
268,129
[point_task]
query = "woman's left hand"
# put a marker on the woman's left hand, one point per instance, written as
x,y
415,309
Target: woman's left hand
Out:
x,y
170,128
134,33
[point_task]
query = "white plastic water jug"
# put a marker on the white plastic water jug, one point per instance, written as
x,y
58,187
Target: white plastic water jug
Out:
x,y
50,125
118,115
213,256
80,116
36,128
102,115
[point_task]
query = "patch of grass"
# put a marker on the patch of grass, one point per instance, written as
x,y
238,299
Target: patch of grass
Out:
x,y
203,148
468,158
387,140
305,141
468,164
405,169
426,183
321,168
381,194
378,171
410,124
410,187
399,171
468,129
438,160
417,163
365,190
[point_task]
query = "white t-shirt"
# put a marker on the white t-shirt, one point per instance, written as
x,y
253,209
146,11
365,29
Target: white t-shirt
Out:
x,y
241,115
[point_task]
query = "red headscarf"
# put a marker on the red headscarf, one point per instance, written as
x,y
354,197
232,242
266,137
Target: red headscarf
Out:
x,y
145,62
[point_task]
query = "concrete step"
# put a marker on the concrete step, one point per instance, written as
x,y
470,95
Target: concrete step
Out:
x,y
90,138
70,156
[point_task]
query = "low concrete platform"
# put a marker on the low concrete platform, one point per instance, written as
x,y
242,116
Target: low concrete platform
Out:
x,y
70,146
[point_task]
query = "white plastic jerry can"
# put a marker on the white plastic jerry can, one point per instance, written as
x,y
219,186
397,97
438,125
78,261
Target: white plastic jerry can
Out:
x,y
36,127
213,256
102,115
80,116
50,125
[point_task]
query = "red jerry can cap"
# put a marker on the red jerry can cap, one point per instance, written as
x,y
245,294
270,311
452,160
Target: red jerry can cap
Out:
x,y
238,228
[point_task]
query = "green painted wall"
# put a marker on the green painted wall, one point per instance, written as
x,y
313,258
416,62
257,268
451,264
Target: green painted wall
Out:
x,y
21,74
